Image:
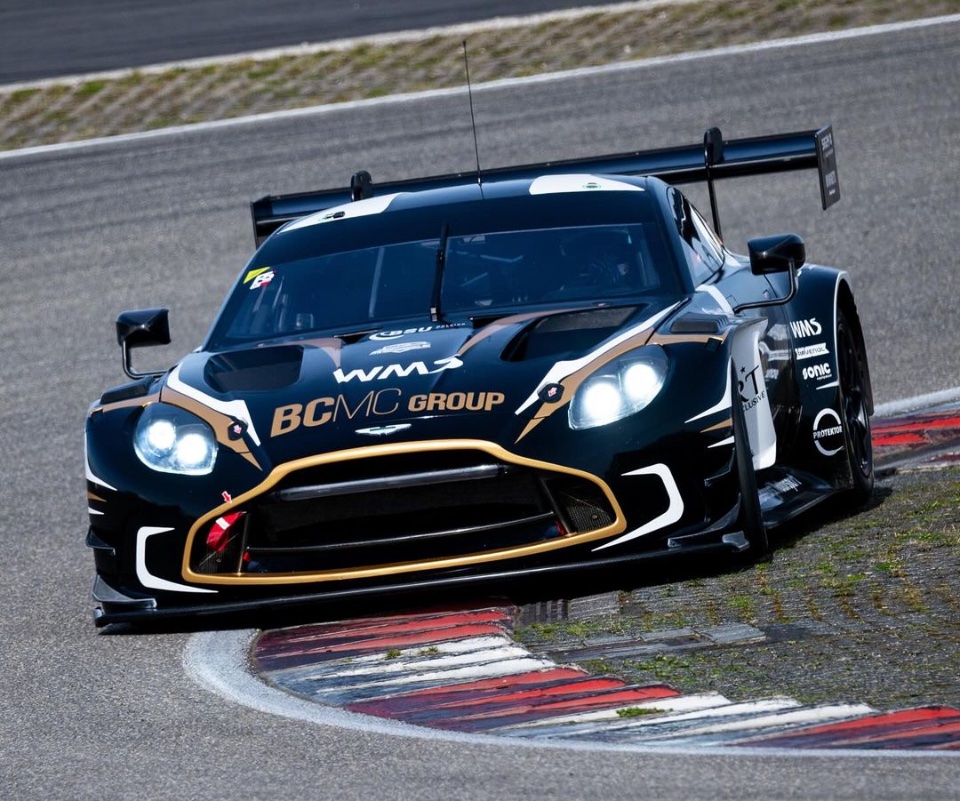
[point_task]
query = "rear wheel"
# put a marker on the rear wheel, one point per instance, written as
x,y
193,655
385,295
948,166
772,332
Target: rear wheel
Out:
x,y
750,518
851,362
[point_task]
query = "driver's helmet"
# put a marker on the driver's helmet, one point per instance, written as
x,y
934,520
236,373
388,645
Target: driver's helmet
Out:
x,y
606,258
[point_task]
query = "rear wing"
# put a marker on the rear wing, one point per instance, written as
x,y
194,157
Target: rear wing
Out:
x,y
714,159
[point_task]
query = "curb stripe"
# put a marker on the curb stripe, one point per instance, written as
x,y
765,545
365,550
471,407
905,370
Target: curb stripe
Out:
x,y
609,726
907,728
496,716
460,670
504,693
450,678
918,440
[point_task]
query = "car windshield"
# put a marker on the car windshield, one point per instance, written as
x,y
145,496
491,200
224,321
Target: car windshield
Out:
x,y
483,274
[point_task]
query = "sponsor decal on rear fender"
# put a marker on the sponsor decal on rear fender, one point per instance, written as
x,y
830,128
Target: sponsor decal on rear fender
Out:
x,y
803,329
811,351
828,432
817,372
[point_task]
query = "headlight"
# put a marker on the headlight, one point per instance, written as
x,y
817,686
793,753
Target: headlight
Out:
x,y
620,388
172,440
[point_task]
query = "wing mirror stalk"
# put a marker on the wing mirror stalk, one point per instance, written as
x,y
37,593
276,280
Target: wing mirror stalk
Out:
x,y
781,253
139,329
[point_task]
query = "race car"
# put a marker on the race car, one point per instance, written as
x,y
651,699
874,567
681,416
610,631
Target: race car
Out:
x,y
512,374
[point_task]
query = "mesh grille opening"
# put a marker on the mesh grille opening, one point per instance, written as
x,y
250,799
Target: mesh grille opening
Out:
x,y
516,506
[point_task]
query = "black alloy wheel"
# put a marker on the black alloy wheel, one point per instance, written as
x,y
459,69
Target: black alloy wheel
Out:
x,y
856,418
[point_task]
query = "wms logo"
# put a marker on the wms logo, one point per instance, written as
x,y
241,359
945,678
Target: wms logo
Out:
x,y
806,328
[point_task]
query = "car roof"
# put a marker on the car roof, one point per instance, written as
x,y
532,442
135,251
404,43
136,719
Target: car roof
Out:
x,y
469,192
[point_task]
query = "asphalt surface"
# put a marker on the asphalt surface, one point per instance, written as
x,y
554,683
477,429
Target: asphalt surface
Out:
x,y
67,37
164,221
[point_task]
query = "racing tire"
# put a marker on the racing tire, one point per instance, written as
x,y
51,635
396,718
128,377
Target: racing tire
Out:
x,y
750,518
851,364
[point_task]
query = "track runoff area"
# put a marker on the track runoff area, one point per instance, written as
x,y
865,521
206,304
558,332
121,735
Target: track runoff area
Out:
x,y
459,673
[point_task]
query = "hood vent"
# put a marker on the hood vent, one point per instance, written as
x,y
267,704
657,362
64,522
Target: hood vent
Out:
x,y
573,332
256,369
694,323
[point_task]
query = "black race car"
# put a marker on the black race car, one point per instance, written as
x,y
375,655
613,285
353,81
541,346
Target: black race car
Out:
x,y
472,377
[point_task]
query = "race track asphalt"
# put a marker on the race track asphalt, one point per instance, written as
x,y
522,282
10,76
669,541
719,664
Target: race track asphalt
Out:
x,y
67,37
163,221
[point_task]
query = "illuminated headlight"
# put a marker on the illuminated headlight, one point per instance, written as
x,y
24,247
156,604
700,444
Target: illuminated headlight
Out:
x,y
620,388
172,440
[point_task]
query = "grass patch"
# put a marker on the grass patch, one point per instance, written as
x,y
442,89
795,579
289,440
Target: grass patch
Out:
x,y
374,69
638,711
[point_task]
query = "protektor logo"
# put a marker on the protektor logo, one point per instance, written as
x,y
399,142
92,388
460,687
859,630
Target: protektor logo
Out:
x,y
828,432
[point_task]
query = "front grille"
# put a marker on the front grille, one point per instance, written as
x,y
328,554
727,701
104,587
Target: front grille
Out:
x,y
395,509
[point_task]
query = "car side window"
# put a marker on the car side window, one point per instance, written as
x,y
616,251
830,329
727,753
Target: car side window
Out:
x,y
707,241
704,251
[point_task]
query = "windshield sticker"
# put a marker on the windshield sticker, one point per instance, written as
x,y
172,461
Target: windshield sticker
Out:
x,y
381,335
262,278
400,347
253,274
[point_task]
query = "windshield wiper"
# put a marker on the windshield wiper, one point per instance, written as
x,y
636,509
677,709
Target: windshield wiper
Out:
x,y
438,276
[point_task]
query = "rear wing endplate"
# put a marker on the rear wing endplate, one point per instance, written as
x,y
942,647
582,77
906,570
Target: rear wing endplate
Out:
x,y
714,159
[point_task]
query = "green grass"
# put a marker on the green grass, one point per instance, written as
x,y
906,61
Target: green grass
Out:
x,y
376,68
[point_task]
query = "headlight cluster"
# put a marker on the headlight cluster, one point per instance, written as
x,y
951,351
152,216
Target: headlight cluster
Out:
x,y
172,440
620,388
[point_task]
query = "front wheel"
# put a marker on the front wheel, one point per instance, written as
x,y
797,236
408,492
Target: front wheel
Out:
x,y
851,362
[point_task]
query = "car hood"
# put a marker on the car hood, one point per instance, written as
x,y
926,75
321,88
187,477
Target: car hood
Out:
x,y
286,400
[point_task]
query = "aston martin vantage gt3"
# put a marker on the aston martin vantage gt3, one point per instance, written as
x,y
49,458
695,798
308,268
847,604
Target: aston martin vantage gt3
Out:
x,y
467,378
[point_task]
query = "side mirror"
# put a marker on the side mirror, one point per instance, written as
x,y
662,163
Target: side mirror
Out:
x,y
781,253
139,329
776,254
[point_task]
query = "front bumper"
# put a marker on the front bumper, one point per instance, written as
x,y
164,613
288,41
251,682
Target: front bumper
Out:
x,y
115,607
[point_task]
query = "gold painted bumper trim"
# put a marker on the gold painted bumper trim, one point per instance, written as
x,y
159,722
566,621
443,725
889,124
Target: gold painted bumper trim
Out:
x,y
280,472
